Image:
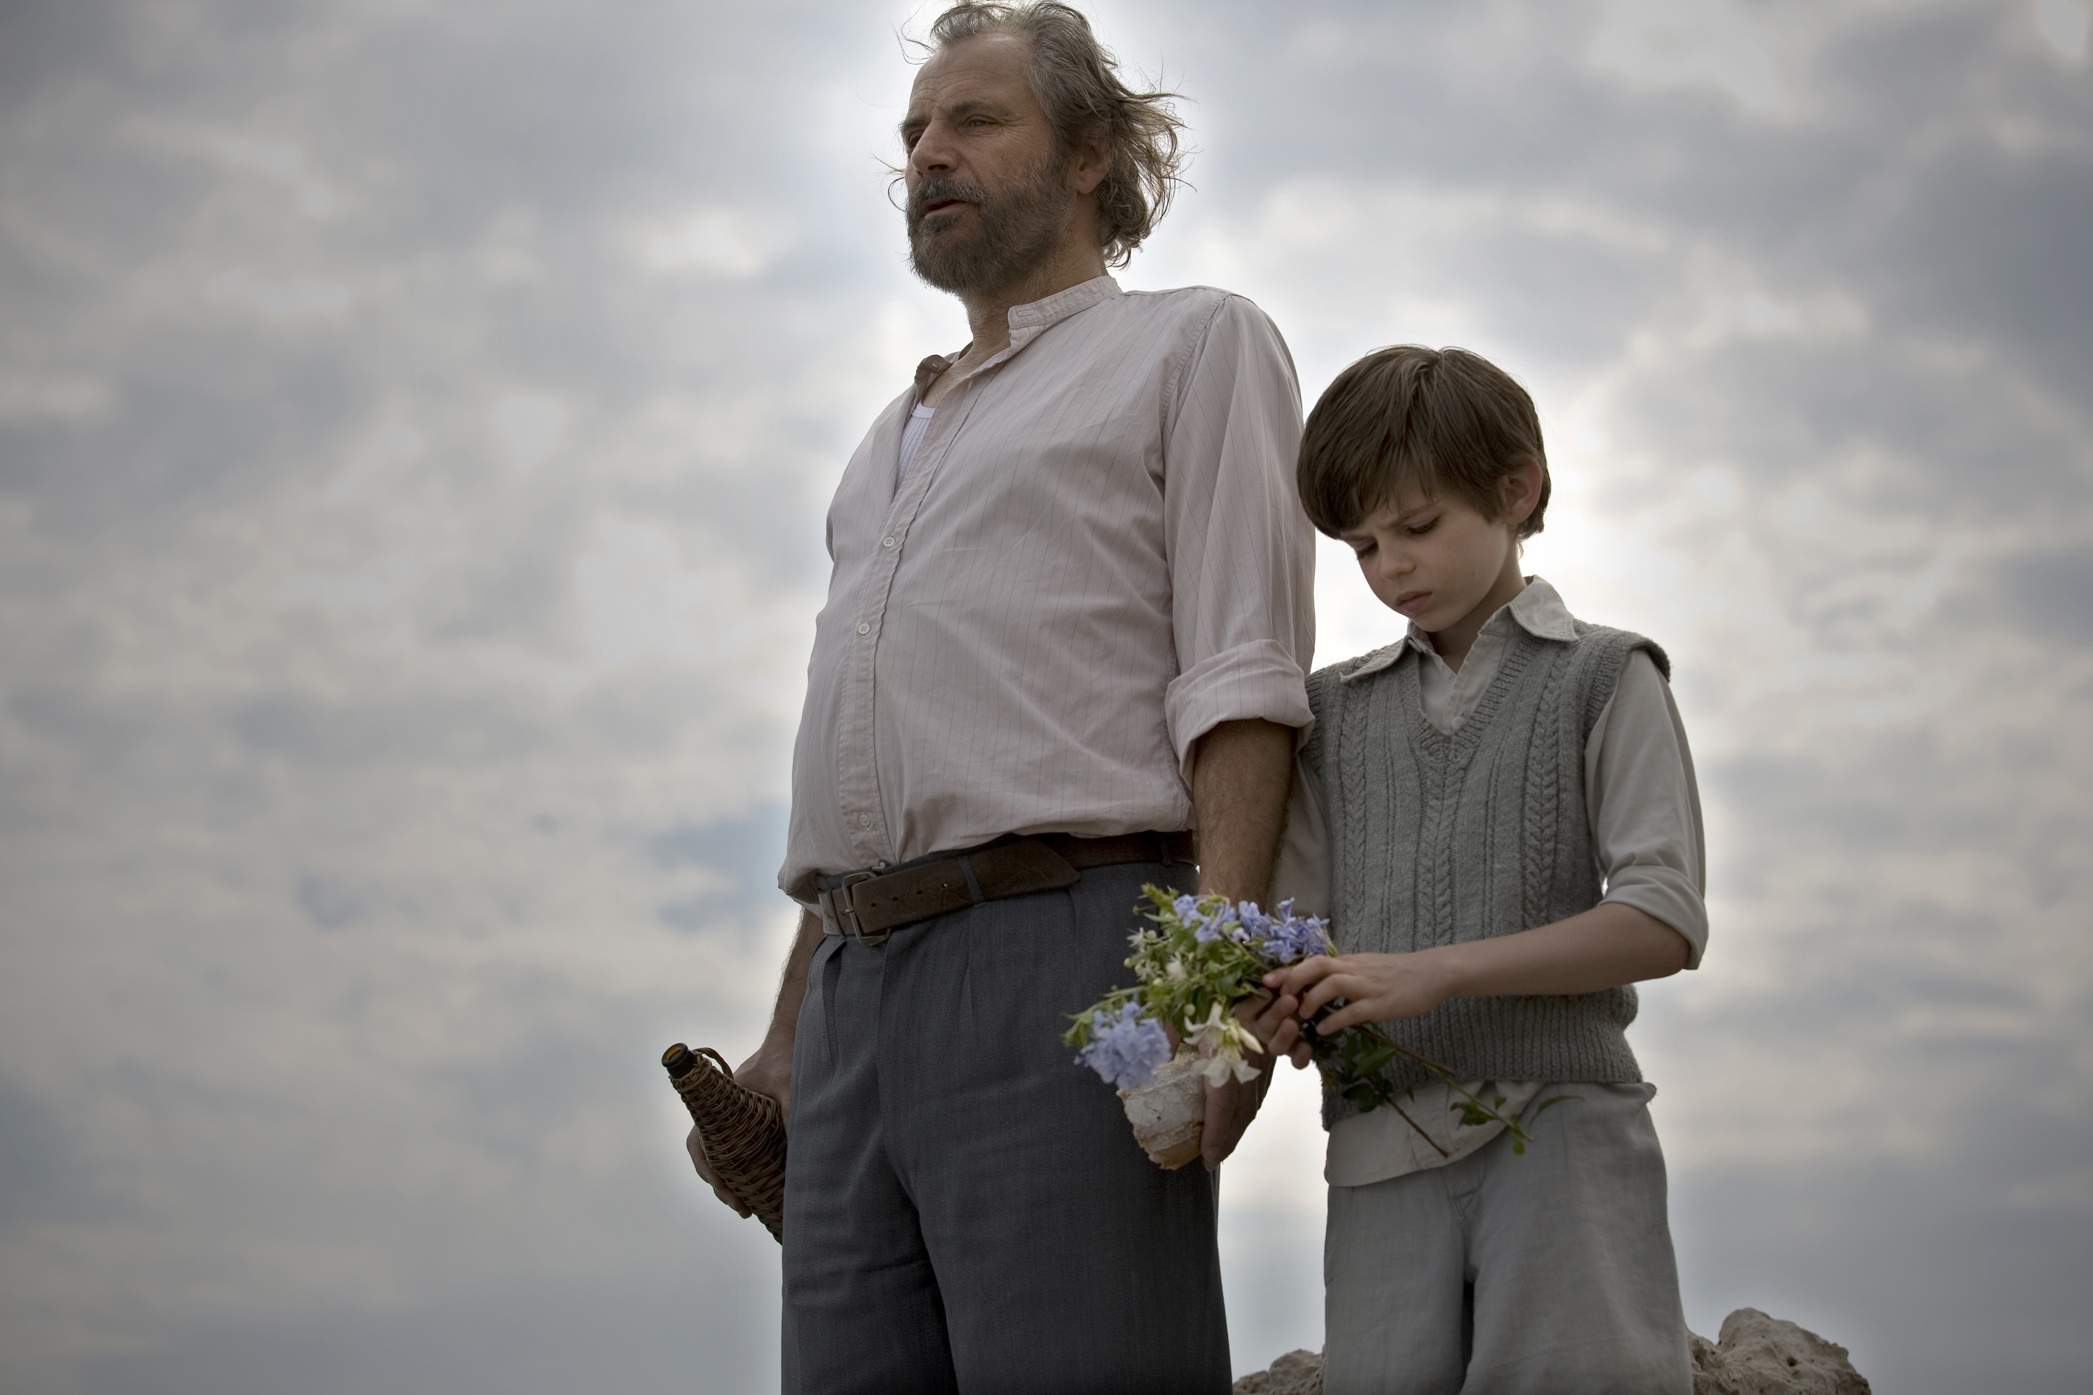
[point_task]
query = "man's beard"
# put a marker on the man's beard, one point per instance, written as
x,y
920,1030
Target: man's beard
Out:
x,y
1017,230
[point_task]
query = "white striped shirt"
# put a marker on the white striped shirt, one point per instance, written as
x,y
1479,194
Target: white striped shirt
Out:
x,y
1095,556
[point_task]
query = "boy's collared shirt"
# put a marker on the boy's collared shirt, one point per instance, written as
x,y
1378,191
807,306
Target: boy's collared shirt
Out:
x,y
1644,808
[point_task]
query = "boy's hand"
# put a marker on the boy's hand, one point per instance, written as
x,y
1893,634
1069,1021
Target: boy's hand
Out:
x,y
1375,987
1278,1025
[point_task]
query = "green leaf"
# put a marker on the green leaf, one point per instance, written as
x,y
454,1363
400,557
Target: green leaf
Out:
x,y
1373,1061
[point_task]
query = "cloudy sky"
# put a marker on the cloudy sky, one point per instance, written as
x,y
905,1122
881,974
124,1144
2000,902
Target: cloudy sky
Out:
x,y
415,426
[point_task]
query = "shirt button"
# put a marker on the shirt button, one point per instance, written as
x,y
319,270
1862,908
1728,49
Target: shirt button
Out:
x,y
886,542
864,821
863,628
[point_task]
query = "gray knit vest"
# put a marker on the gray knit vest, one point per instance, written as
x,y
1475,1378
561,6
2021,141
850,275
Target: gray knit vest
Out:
x,y
1436,839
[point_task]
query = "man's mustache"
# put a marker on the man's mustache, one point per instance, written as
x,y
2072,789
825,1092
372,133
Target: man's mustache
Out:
x,y
941,189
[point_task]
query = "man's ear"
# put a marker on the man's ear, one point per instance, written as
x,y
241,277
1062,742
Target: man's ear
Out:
x,y
1092,162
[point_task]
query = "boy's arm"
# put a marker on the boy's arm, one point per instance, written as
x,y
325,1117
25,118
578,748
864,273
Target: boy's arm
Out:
x,y
1606,946
1645,817
1645,806
1646,826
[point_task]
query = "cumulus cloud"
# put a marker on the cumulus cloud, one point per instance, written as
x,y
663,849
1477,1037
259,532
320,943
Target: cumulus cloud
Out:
x,y
415,427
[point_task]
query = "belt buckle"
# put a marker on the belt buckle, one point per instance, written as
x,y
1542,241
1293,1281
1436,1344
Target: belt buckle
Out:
x,y
839,898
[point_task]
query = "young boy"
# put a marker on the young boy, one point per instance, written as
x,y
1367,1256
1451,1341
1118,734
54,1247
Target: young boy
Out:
x,y
1511,835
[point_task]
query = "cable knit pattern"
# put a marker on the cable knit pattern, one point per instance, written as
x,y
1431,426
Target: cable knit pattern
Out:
x,y
1440,839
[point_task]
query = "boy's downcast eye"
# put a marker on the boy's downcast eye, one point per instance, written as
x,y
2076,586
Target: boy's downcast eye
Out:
x,y
1418,530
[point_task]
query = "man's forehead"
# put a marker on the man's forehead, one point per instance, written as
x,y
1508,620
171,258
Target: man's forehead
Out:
x,y
982,67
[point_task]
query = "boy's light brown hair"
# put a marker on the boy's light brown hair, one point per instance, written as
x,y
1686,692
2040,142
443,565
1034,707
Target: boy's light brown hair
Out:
x,y
1448,421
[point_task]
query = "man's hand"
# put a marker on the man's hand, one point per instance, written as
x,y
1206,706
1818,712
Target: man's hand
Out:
x,y
1375,987
1232,1105
768,1072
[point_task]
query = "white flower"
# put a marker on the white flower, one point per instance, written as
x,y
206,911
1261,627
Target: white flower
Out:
x,y
1217,1069
1222,1045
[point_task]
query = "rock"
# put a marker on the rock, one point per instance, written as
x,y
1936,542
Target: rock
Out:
x,y
1296,1373
1761,1355
1756,1355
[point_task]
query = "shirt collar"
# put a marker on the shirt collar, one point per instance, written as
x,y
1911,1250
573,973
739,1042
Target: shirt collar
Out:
x,y
1028,322
1029,319
1538,609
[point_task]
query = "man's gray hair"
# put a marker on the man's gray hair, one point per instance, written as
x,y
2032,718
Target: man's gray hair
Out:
x,y
1076,82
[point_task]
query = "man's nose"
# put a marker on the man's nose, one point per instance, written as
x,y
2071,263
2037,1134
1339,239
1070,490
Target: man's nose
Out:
x,y
932,152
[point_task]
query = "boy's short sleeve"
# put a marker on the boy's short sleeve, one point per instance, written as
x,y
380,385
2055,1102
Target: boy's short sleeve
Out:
x,y
1644,805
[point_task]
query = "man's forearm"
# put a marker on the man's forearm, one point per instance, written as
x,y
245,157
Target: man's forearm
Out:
x,y
768,1071
784,1016
1241,772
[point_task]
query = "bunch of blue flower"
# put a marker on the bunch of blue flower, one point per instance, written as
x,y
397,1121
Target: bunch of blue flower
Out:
x,y
1125,1049
1203,957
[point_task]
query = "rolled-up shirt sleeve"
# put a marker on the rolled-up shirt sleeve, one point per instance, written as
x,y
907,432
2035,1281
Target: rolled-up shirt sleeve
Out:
x,y
1241,551
1645,806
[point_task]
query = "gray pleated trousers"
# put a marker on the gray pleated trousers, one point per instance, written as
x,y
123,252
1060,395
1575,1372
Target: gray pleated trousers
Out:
x,y
1547,1273
965,1207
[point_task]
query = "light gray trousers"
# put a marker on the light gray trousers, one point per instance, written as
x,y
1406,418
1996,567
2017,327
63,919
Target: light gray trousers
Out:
x,y
965,1207
1548,1273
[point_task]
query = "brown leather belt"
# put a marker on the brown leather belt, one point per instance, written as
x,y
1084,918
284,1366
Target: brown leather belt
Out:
x,y
870,905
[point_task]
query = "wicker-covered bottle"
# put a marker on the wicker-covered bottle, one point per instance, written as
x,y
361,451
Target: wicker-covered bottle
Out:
x,y
742,1132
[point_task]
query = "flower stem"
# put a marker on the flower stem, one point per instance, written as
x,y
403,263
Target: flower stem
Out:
x,y
1385,1094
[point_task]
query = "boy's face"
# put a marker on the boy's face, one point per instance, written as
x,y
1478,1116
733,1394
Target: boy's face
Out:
x,y
1437,559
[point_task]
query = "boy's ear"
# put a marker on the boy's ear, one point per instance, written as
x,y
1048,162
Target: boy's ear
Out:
x,y
1520,491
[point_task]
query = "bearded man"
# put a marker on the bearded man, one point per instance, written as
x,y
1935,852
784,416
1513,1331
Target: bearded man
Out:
x,y
1068,622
